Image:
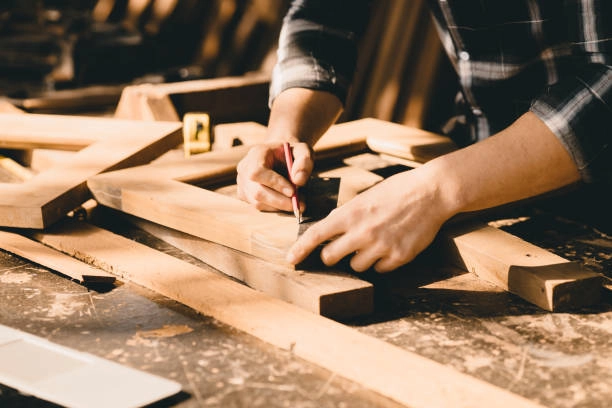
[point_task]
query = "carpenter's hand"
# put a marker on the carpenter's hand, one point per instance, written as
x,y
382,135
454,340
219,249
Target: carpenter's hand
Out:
x,y
260,182
385,227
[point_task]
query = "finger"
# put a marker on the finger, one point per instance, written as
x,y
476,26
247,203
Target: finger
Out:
x,y
313,237
364,259
339,248
267,199
302,164
273,181
388,264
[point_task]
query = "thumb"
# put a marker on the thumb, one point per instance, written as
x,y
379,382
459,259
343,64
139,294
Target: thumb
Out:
x,y
302,164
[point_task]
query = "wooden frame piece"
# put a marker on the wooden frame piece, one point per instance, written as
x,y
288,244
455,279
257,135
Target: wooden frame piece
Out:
x,y
104,144
230,234
225,99
52,259
160,193
390,371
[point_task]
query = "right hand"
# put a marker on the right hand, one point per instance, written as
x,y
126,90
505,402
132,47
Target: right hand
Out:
x,y
262,186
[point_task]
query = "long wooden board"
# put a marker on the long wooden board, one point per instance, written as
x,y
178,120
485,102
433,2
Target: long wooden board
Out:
x,y
225,99
52,259
160,193
333,294
105,144
392,372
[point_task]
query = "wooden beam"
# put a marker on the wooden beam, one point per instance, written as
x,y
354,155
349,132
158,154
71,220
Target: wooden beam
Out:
x,y
160,193
533,273
105,144
52,259
330,293
388,370
225,99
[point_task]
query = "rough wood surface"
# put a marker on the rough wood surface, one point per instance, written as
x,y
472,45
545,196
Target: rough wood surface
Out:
x,y
334,294
160,193
105,144
535,274
52,259
408,378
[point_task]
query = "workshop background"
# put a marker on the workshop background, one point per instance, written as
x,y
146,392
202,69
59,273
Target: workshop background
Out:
x,y
93,57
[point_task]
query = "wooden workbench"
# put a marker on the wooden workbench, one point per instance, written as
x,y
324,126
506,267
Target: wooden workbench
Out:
x,y
557,360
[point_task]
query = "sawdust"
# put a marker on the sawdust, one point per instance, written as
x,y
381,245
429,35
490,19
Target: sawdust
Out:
x,y
165,331
150,337
15,277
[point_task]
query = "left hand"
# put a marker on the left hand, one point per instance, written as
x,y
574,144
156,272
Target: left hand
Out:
x,y
385,226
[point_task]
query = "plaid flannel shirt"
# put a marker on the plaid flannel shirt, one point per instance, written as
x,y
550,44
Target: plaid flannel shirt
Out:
x,y
552,57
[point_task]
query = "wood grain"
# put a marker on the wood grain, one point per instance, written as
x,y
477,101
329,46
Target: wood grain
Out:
x,y
533,273
331,293
392,372
160,193
105,144
52,259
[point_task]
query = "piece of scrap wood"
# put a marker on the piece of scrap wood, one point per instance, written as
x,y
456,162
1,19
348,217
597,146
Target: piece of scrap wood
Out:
x,y
398,374
52,259
420,145
225,99
533,273
330,293
105,144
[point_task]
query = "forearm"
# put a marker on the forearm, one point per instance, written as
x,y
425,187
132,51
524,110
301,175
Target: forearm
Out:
x,y
302,115
524,160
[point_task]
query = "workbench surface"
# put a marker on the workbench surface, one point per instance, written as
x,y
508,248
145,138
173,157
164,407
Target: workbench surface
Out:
x,y
555,359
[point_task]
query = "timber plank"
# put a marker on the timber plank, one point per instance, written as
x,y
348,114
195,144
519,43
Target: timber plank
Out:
x,y
104,144
225,99
334,294
52,259
533,273
160,193
406,377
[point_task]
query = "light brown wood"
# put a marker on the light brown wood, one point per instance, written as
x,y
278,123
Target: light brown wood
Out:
x,y
225,99
334,294
420,146
535,274
107,144
392,372
159,193
52,259
16,170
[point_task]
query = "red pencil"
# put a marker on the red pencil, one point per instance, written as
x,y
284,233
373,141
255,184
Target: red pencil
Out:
x,y
294,198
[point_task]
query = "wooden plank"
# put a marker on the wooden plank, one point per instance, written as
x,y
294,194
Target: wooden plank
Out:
x,y
392,372
533,273
536,275
106,144
420,145
159,193
330,293
225,99
52,259
16,170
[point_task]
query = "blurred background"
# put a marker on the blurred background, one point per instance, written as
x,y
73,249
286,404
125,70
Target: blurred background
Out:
x,y
77,56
